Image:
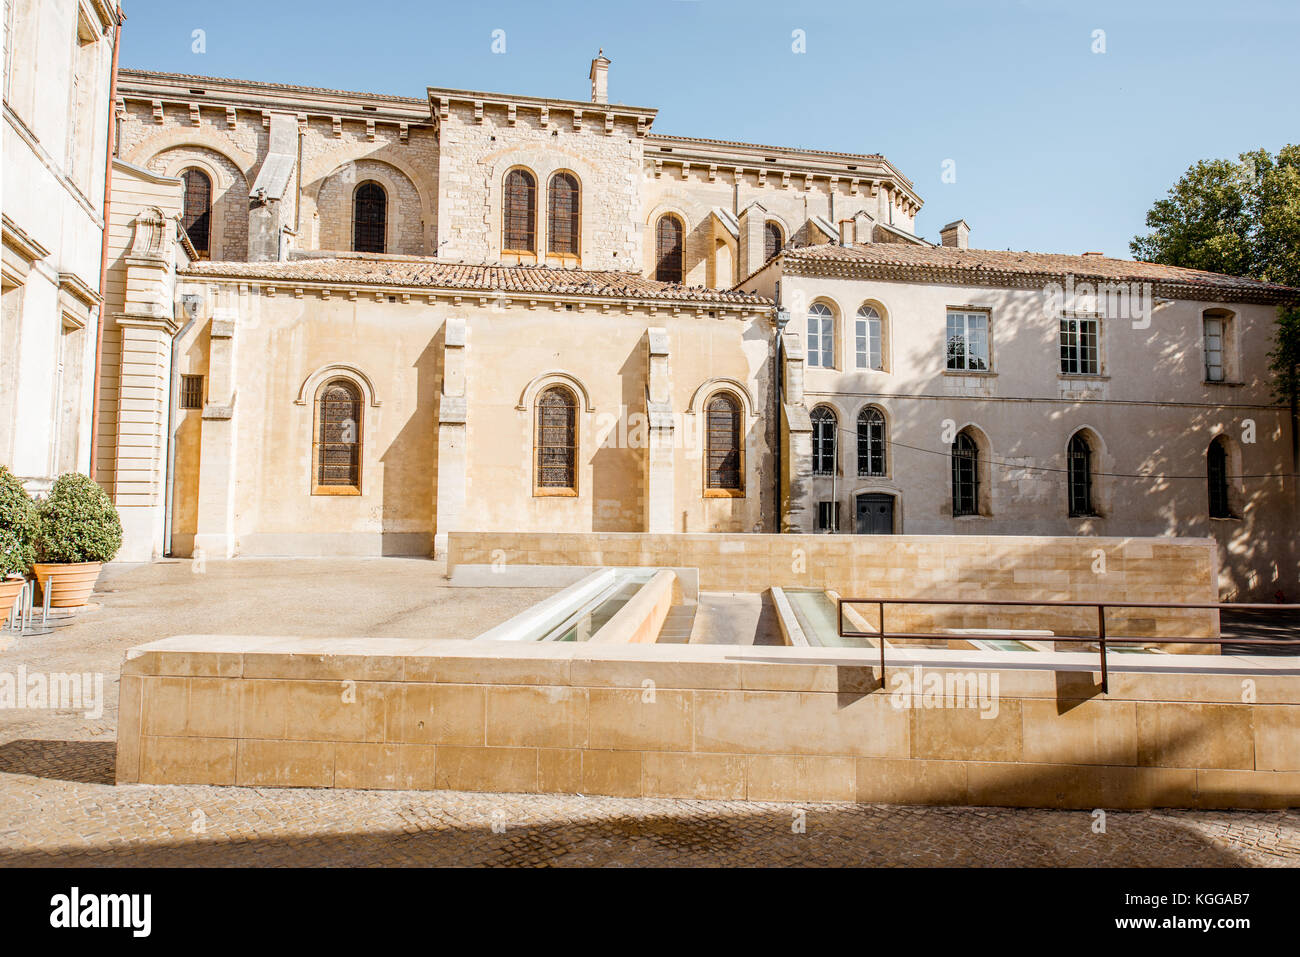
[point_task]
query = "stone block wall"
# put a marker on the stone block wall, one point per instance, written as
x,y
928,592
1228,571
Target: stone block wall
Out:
x,y
697,722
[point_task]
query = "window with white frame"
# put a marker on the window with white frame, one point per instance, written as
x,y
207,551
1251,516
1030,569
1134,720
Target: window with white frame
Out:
x,y
869,340
1080,346
968,341
821,336
1216,329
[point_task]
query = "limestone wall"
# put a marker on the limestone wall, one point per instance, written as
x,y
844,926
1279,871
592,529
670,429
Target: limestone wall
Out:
x,y
704,722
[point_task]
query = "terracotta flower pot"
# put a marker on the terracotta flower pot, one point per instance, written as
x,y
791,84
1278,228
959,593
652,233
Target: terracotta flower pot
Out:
x,y
10,589
72,584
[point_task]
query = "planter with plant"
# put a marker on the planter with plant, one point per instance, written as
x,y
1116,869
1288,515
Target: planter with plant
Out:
x,y
17,528
77,530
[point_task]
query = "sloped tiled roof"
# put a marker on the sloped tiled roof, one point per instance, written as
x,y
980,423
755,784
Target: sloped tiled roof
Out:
x,y
437,274
994,267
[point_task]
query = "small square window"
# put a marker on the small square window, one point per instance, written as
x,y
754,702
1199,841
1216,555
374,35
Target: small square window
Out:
x,y
828,516
191,392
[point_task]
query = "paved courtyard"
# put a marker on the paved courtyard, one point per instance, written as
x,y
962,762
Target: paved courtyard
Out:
x,y
58,805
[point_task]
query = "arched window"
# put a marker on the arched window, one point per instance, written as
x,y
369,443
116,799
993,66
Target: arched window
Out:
x,y
369,218
724,453
773,240
1079,476
562,199
871,442
557,440
965,475
869,339
1216,468
821,336
824,425
669,234
519,213
197,215
337,454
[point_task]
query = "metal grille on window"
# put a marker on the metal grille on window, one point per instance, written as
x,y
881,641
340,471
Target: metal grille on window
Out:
x,y
869,344
519,212
965,475
338,448
1079,476
669,234
1217,472
823,437
828,516
369,218
191,392
1080,352
772,240
562,215
556,438
871,442
722,426
197,217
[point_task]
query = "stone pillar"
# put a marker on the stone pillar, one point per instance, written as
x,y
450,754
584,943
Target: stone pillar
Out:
x,y
599,76
449,493
660,445
798,510
752,247
215,530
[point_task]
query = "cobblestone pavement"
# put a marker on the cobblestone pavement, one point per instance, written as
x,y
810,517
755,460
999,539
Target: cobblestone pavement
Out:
x,y
58,805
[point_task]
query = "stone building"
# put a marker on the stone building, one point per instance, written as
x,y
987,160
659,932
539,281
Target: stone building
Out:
x,y
346,323
58,65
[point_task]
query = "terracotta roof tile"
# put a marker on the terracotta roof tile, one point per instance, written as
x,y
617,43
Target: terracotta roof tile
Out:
x,y
997,267
437,274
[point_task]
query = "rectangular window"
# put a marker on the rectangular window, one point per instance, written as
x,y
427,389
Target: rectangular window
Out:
x,y
1080,346
968,341
869,344
821,341
1214,349
191,392
828,516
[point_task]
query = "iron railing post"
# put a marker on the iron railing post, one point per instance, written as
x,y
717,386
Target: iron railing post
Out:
x,y
1101,644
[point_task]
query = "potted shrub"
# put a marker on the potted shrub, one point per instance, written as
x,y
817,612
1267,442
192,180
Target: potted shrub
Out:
x,y
77,530
17,528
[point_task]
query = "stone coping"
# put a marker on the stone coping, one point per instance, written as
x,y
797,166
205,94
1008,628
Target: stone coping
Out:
x,y
1210,678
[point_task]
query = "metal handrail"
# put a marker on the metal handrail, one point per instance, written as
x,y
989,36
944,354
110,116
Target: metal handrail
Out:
x,y
1100,637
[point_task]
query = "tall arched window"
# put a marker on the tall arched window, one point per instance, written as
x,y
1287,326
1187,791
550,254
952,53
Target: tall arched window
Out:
x,y
670,233
369,218
562,219
197,215
824,426
337,453
965,475
557,440
821,336
1079,475
519,213
724,454
773,240
871,442
869,339
1216,468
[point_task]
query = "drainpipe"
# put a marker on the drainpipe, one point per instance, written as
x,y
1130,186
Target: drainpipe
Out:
x,y
110,151
779,394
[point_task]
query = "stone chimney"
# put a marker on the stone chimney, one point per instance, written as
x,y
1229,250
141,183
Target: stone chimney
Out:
x,y
956,235
847,227
600,78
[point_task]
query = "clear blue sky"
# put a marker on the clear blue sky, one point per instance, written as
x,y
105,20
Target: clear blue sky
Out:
x,y
1057,148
